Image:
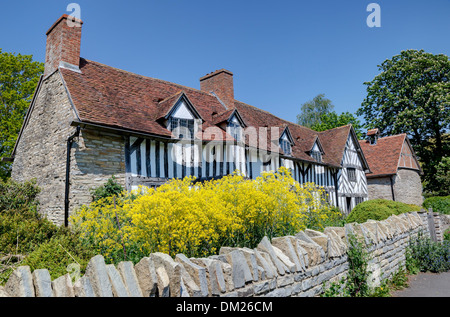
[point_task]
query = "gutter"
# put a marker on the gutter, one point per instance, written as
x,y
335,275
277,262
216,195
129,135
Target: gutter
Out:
x,y
66,200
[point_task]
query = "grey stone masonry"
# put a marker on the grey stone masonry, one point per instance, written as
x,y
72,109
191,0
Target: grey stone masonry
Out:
x,y
288,266
41,152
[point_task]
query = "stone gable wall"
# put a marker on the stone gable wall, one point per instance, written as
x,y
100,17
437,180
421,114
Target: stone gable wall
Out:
x,y
41,151
285,267
408,187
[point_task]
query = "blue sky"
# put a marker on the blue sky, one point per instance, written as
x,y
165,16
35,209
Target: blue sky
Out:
x,y
282,53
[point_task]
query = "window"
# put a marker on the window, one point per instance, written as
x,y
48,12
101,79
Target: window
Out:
x,y
351,172
235,130
286,146
182,128
317,156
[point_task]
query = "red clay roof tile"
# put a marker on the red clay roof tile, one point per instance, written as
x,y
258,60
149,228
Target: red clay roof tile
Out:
x,y
383,157
112,97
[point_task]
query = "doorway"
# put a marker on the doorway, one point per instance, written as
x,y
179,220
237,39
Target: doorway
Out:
x,y
349,204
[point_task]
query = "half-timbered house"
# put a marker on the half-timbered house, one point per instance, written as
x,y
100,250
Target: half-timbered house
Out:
x,y
89,121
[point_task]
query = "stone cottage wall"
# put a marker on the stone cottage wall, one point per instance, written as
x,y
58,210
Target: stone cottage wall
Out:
x,y
96,156
285,267
408,187
379,188
41,151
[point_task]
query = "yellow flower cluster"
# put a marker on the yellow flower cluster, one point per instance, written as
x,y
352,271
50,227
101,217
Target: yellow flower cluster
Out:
x,y
196,219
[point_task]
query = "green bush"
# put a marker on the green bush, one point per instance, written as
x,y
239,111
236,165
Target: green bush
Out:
x,y
21,231
447,235
58,253
378,209
27,238
426,255
14,195
439,204
109,189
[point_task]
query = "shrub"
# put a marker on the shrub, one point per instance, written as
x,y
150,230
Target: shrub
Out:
x,y
447,235
58,253
14,195
378,209
109,189
22,230
424,255
439,204
184,216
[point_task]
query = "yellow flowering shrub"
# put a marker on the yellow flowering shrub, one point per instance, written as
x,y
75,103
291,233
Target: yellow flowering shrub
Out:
x,y
104,226
196,219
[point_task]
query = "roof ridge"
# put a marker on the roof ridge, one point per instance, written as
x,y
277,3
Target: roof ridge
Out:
x,y
171,96
151,78
284,120
394,136
342,126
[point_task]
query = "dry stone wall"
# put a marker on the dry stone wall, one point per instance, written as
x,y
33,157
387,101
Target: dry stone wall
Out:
x,y
284,267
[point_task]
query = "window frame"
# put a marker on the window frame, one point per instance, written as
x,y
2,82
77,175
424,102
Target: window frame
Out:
x,y
286,147
351,174
317,155
182,124
235,130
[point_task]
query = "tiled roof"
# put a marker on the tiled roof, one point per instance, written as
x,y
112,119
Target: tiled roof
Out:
x,y
115,98
334,141
383,157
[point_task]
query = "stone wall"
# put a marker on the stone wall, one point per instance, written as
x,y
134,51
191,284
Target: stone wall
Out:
x,y
285,267
379,188
96,156
41,150
407,187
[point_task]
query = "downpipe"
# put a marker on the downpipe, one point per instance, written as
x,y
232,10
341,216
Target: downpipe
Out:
x,y
66,199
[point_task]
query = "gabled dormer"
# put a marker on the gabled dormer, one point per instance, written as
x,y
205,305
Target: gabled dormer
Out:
x,y
232,122
235,126
286,142
182,119
316,151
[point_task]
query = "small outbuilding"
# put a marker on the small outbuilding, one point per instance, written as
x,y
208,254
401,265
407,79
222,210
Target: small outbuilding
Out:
x,y
395,169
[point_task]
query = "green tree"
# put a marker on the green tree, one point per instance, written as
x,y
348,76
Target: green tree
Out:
x,y
312,111
443,177
412,95
19,76
332,120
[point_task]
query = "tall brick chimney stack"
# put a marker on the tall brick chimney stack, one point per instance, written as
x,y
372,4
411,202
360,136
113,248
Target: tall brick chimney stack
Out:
x,y
220,83
63,44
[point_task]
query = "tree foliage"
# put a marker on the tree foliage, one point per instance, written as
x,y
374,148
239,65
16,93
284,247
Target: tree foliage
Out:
x,y
312,111
19,76
332,120
412,95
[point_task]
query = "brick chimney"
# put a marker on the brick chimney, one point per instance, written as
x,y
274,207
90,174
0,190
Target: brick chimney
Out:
x,y
373,136
220,83
63,44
